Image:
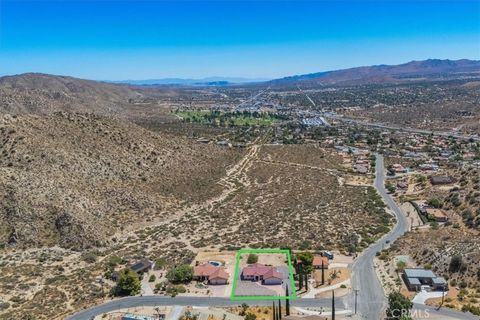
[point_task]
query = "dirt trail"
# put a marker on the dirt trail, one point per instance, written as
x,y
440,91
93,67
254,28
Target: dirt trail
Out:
x,y
235,178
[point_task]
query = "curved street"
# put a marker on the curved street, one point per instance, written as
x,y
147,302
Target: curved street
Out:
x,y
131,302
371,297
371,300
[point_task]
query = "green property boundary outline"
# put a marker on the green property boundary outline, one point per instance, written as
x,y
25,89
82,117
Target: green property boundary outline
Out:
x,y
293,294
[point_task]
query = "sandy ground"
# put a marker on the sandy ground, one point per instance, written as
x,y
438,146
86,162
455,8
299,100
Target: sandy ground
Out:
x,y
450,298
341,258
353,180
342,275
412,215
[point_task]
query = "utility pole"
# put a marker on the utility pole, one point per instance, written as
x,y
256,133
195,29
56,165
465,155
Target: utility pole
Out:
x,y
333,304
279,309
287,303
356,294
323,273
443,297
274,311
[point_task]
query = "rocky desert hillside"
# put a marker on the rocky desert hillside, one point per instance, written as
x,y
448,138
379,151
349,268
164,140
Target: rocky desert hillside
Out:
x,y
77,179
42,93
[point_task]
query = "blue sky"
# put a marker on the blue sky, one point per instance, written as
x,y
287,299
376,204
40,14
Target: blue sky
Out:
x,y
118,40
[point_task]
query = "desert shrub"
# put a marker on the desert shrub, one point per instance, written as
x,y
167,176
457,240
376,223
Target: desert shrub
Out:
x,y
160,263
252,258
250,316
114,260
4,305
471,308
89,257
456,263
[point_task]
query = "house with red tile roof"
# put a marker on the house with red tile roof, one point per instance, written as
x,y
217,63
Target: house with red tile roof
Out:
x,y
317,262
210,273
265,274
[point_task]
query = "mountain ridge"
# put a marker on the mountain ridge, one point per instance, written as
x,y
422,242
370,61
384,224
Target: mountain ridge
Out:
x,y
385,73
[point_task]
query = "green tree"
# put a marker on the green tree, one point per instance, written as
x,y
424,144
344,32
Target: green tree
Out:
x,y
252,258
128,283
306,259
456,263
183,273
398,307
435,202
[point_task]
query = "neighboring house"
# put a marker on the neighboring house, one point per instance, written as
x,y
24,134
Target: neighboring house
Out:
x,y
398,168
438,214
265,274
402,185
141,266
415,278
428,167
438,180
212,274
360,168
319,261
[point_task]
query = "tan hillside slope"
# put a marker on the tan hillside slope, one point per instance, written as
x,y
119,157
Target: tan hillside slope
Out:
x,y
76,179
42,93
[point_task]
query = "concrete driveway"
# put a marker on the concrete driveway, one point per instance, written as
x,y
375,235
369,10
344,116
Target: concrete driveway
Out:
x,y
423,296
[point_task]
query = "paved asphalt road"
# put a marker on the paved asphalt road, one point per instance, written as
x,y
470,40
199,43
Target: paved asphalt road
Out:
x,y
131,302
371,301
371,298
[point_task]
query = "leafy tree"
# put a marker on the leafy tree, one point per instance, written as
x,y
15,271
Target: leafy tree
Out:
x,y
128,283
183,273
252,258
398,307
456,263
306,259
435,202
250,316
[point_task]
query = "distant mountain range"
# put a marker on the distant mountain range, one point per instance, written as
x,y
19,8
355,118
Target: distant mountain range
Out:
x,y
415,70
209,81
